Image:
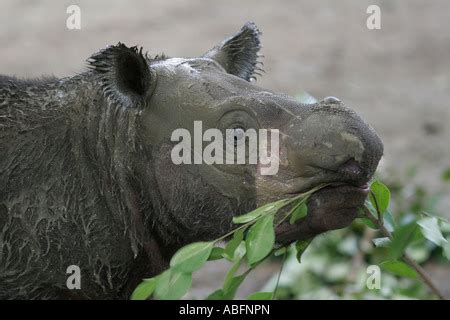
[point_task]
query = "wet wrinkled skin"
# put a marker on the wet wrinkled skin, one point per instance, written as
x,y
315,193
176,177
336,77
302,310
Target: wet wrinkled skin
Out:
x,y
86,176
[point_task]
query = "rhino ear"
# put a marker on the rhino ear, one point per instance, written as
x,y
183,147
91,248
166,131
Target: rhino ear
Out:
x,y
124,74
238,55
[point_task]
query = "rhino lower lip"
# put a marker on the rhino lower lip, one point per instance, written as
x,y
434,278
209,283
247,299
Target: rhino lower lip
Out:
x,y
339,197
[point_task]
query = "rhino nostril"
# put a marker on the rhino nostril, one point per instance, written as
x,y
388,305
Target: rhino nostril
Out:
x,y
352,171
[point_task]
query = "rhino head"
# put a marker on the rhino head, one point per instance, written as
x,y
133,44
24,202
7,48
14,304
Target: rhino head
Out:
x,y
322,142
97,163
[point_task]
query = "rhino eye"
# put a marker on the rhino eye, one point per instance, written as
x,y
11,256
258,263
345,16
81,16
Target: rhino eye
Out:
x,y
238,135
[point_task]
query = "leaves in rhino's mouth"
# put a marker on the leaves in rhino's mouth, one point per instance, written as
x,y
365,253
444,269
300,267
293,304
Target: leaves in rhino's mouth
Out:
x,y
252,240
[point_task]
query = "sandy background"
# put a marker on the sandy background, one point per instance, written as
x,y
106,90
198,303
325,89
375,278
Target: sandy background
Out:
x,y
397,78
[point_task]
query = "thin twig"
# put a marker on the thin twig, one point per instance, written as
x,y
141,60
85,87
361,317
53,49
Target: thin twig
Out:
x,y
410,261
279,276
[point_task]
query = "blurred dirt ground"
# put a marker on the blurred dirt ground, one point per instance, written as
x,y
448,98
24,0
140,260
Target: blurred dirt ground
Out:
x,y
397,78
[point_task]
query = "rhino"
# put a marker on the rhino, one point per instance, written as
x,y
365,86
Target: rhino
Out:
x,y
87,179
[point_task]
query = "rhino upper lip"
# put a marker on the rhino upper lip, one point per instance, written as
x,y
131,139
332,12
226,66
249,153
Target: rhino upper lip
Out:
x,y
356,181
320,175
359,187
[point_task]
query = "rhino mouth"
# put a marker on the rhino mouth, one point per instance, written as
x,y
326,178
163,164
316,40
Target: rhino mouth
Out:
x,y
330,208
339,195
349,187
301,184
343,193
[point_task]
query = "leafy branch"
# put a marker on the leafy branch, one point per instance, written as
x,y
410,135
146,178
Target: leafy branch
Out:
x,y
397,241
252,242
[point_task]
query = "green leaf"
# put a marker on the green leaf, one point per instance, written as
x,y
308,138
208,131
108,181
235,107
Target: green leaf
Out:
x,y
369,223
191,257
399,268
402,236
231,246
232,287
172,285
300,211
216,295
430,230
216,254
260,296
388,221
379,196
260,240
446,250
419,251
371,208
240,251
269,208
381,242
144,290
230,274
301,246
446,175
231,282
